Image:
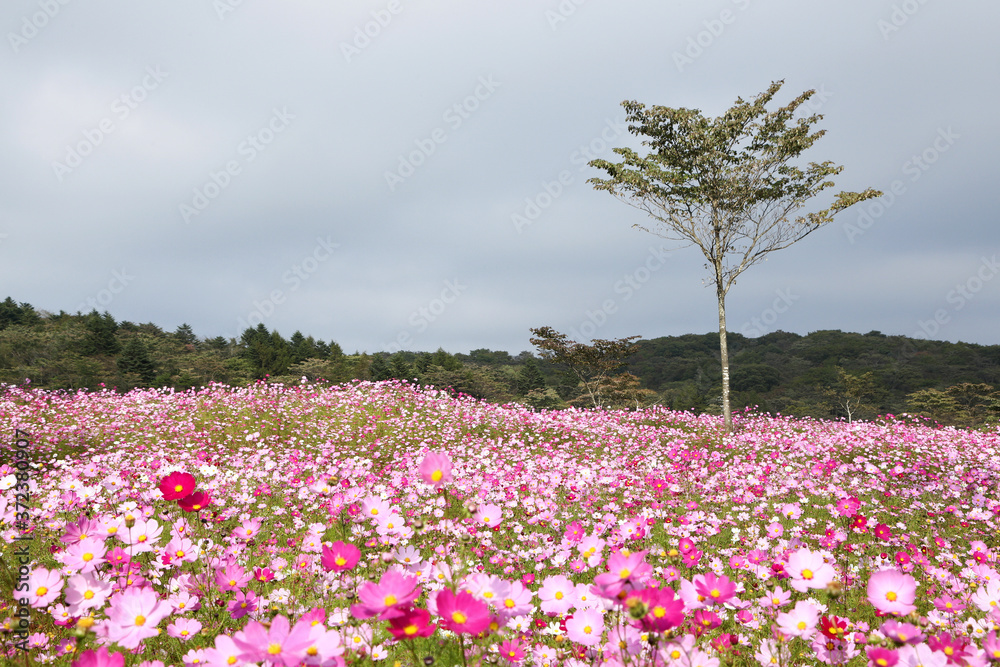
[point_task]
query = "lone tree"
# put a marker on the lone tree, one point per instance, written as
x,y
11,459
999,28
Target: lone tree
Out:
x,y
592,364
727,185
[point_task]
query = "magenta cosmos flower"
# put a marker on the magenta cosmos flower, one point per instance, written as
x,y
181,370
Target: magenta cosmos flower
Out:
x,y
808,570
436,468
99,658
413,623
388,598
177,485
462,613
892,592
340,556
195,501
713,588
666,610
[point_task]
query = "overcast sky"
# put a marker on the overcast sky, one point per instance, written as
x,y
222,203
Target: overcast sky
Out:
x,y
412,175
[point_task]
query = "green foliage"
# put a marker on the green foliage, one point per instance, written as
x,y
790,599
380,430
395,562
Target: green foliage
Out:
x,y
135,359
100,338
590,364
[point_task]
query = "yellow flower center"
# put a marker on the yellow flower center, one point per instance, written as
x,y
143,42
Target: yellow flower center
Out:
x,y
587,630
659,612
88,557
89,595
509,603
716,593
411,629
340,560
559,595
807,574
140,620
274,649
802,625
390,600
459,617
891,596
624,573
179,488
436,476
42,590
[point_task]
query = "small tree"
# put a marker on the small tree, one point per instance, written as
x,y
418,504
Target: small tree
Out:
x,y
591,364
725,185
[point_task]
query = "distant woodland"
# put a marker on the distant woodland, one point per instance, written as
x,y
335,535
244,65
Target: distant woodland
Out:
x,y
825,374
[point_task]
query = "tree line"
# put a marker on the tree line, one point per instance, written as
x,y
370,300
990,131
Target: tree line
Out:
x,y
825,374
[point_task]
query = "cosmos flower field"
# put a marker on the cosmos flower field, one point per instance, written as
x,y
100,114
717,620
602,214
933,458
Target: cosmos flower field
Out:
x,y
387,524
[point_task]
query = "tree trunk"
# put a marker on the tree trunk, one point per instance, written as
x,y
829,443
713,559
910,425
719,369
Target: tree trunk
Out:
x,y
724,354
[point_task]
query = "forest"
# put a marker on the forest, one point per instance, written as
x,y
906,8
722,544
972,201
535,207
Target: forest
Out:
x,y
825,374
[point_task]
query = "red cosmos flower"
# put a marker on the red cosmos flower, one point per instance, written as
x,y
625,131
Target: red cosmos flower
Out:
x,y
195,502
833,627
177,485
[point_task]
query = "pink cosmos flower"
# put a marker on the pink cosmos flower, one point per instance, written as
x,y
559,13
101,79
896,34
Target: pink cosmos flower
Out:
x,y
621,570
85,592
892,592
134,615
489,515
557,594
902,633
184,628
99,658
776,598
713,588
386,599
921,655
177,485
232,577
511,650
436,468
585,627
881,657
665,609
462,613
43,587
800,621
325,648
280,644
225,654
808,570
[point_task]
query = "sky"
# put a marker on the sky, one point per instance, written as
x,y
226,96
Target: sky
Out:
x,y
393,174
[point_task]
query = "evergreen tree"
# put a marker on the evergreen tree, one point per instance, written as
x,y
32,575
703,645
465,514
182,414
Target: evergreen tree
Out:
x,y
399,368
134,358
529,377
100,334
185,335
379,369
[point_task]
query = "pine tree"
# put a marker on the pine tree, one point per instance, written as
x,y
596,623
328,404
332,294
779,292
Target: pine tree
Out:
x,y
134,358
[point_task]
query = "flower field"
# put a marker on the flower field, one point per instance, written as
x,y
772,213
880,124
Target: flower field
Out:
x,y
387,524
